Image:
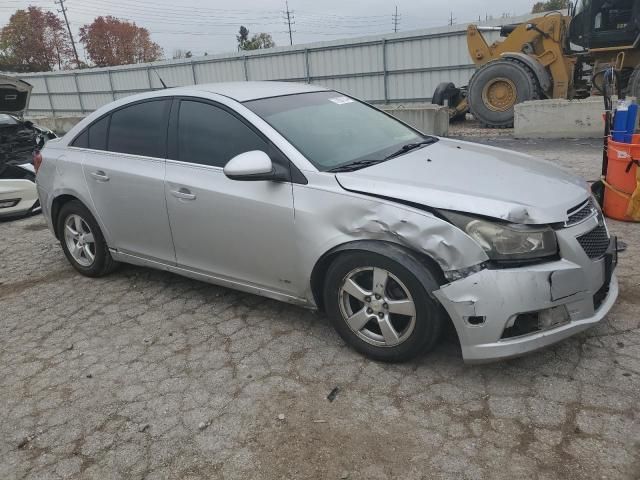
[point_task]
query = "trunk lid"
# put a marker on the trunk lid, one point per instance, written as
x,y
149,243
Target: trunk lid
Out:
x,y
14,95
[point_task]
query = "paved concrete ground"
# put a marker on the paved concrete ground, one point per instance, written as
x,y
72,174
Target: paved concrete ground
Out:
x,y
145,374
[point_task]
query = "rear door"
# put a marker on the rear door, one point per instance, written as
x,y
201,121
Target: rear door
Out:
x,y
235,230
124,167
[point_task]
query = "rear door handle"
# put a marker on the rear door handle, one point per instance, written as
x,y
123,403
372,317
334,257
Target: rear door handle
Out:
x,y
100,176
184,194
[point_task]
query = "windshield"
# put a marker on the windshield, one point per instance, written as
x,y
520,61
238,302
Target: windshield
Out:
x,y
332,130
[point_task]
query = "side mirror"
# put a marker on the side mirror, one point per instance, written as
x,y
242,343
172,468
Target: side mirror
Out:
x,y
250,166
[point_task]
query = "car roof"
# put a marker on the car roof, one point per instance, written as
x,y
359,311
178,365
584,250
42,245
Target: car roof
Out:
x,y
246,91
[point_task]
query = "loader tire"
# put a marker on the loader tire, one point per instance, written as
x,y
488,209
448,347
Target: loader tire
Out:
x,y
447,93
497,87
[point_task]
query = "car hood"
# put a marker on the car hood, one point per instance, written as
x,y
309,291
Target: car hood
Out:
x,y
14,95
472,178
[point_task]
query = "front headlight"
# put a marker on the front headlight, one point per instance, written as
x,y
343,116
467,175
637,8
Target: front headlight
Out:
x,y
507,241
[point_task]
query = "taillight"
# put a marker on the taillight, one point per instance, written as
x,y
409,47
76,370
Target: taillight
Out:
x,y
37,160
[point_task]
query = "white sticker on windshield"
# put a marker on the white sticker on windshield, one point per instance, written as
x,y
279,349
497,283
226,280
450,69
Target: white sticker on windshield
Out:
x,y
341,100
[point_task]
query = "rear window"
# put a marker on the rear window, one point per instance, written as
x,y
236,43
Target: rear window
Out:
x,y
82,140
140,129
98,134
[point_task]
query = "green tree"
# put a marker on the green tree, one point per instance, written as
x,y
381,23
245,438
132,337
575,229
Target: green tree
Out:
x,y
540,7
242,37
261,40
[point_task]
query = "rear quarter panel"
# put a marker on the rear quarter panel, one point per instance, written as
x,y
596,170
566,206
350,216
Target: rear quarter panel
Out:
x,y
61,174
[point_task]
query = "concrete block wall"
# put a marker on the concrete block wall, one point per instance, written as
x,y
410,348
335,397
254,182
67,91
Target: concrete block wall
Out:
x,y
560,118
428,118
60,125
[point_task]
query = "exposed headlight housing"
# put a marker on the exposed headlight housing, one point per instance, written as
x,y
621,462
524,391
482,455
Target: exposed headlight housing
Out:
x,y
507,241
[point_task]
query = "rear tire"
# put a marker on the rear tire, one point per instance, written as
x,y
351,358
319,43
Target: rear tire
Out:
x,y
82,241
447,93
497,87
405,305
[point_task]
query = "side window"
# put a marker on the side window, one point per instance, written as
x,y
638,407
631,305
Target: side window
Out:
x,y
98,134
140,129
82,140
209,135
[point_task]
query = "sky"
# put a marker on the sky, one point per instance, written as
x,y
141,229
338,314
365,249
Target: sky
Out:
x,y
211,25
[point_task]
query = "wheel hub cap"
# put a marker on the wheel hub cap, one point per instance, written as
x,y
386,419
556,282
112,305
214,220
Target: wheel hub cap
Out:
x,y
377,306
500,94
79,239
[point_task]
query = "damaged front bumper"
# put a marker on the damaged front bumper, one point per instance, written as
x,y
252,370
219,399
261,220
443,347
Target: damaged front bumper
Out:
x,y
505,313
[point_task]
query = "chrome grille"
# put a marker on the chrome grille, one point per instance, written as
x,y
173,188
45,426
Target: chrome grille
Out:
x,y
595,242
580,213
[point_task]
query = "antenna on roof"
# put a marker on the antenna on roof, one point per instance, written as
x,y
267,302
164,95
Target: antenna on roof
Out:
x,y
160,78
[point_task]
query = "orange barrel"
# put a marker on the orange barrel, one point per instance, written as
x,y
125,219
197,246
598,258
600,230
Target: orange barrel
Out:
x,y
620,183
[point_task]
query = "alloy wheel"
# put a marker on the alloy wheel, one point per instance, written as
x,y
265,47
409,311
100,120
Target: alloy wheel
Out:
x,y
80,240
377,306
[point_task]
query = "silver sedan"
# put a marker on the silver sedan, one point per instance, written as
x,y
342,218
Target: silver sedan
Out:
x,y
309,196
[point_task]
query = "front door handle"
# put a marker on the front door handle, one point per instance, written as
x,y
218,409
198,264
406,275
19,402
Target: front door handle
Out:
x,y
100,176
184,194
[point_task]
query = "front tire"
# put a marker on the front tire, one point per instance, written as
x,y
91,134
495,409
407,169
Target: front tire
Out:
x,y
82,241
497,87
379,306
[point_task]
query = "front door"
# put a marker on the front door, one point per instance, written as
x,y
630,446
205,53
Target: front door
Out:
x,y
237,230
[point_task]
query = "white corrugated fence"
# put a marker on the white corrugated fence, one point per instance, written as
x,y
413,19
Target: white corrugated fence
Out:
x,y
394,68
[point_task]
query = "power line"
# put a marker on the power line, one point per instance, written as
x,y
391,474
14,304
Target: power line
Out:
x,y
63,10
396,20
289,18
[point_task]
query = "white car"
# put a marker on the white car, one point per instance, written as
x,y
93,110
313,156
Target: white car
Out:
x,y
18,193
306,195
20,141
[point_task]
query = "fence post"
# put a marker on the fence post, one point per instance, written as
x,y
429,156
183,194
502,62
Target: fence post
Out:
x,y
75,80
46,87
113,92
246,69
306,65
149,78
193,73
385,72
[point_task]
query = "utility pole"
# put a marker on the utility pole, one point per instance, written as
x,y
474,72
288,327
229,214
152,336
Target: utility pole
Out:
x,y
289,19
63,10
396,20
451,19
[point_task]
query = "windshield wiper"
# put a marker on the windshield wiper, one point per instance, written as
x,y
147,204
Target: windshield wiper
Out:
x,y
353,166
412,146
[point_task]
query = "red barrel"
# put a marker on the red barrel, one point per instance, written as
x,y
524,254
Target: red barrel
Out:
x,y
621,178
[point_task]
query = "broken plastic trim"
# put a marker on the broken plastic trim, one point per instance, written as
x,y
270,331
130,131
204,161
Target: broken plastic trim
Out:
x,y
454,275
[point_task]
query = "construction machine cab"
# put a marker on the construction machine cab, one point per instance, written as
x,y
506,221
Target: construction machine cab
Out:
x,y
601,24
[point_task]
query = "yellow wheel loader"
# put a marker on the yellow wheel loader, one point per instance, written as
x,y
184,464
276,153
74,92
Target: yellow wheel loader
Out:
x,y
551,56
